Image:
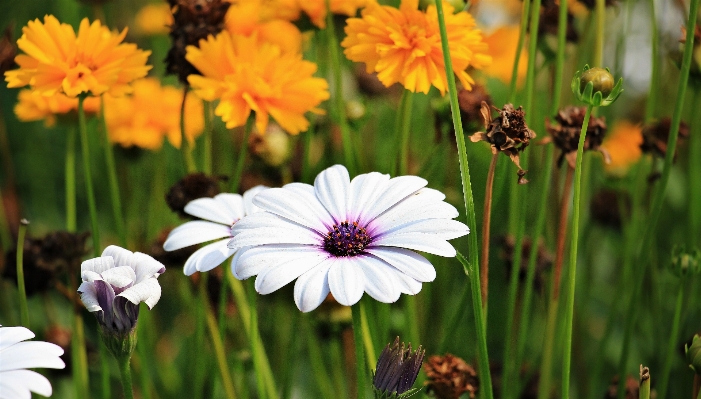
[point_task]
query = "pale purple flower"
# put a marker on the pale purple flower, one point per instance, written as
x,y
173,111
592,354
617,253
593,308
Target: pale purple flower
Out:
x,y
345,237
220,214
16,356
115,283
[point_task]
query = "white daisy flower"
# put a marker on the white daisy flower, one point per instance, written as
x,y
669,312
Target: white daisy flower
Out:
x,y
345,237
220,214
16,356
115,283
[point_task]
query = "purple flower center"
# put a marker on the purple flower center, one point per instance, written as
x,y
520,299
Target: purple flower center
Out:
x,y
346,239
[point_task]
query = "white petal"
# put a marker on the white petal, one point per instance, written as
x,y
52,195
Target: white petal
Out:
x,y
446,229
312,287
292,204
31,354
380,280
331,188
12,335
275,277
408,285
397,189
120,276
148,291
122,257
346,281
88,294
235,261
90,276
363,193
263,219
256,260
274,235
214,258
406,261
248,206
191,264
195,232
18,384
419,242
97,265
217,209
146,267
416,207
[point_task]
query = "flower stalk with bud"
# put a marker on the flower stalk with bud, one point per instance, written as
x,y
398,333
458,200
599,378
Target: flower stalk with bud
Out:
x,y
397,369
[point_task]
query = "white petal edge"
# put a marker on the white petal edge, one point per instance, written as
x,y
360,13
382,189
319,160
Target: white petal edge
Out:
x,y
346,281
331,188
248,206
292,234
364,192
380,280
120,276
446,229
312,287
407,262
12,335
293,204
32,354
88,295
215,209
195,232
255,260
275,277
148,291
121,256
419,242
97,265
398,189
18,384
145,266
190,266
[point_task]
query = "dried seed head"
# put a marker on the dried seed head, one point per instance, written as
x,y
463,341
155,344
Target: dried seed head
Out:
x,y
193,20
8,51
191,187
565,135
449,377
655,137
549,21
632,388
506,133
544,260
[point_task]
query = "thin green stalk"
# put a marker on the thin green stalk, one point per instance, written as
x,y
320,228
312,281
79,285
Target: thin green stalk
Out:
x,y
471,267
486,224
254,337
658,200
185,149
80,365
322,378
404,130
223,302
695,170
671,354
339,105
106,389
519,47
560,58
644,392
207,143
71,224
532,50
572,271
599,41
546,365
24,309
367,337
112,177
85,146
241,160
650,105
125,374
360,370
217,344
199,376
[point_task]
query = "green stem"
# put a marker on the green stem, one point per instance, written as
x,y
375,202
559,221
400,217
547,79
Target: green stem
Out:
x,y
256,346
185,149
486,224
560,58
125,374
695,170
650,105
532,49
24,309
241,160
546,365
104,370
85,146
207,144
644,392
217,344
671,354
112,176
600,30
367,338
519,48
339,105
471,266
360,370
71,224
404,130
80,365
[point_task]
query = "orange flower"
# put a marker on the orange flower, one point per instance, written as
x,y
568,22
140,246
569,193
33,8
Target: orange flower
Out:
x,y
250,17
246,74
502,47
151,113
154,19
404,45
58,61
33,106
623,145
316,9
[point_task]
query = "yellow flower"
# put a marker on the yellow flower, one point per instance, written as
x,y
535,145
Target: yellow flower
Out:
x,y
246,74
33,106
58,61
404,45
250,17
316,9
154,19
623,145
502,47
151,113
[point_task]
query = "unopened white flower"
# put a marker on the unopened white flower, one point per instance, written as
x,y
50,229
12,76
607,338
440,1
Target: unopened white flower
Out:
x,y
345,237
115,283
220,214
16,356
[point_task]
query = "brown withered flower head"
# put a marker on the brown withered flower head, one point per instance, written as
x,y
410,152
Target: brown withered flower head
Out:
x,y
192,20
544,259
632,388
506,133
47,258
550,20
449,377
191,187
565,134
8,51
655,137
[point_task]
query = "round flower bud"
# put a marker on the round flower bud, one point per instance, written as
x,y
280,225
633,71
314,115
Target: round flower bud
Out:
x,y
693,354
685,261
600,77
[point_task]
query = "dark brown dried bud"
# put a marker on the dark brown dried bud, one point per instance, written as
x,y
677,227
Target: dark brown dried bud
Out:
x,y
655,137
632,387
8,51
607,205
550,20
191,187
506,133
449,376
544,260
591,4
566,133
46,259
470,102
193,20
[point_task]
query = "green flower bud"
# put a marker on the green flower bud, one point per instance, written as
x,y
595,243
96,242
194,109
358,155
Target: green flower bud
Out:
x,y
120,344
595,86
693,354
685,261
